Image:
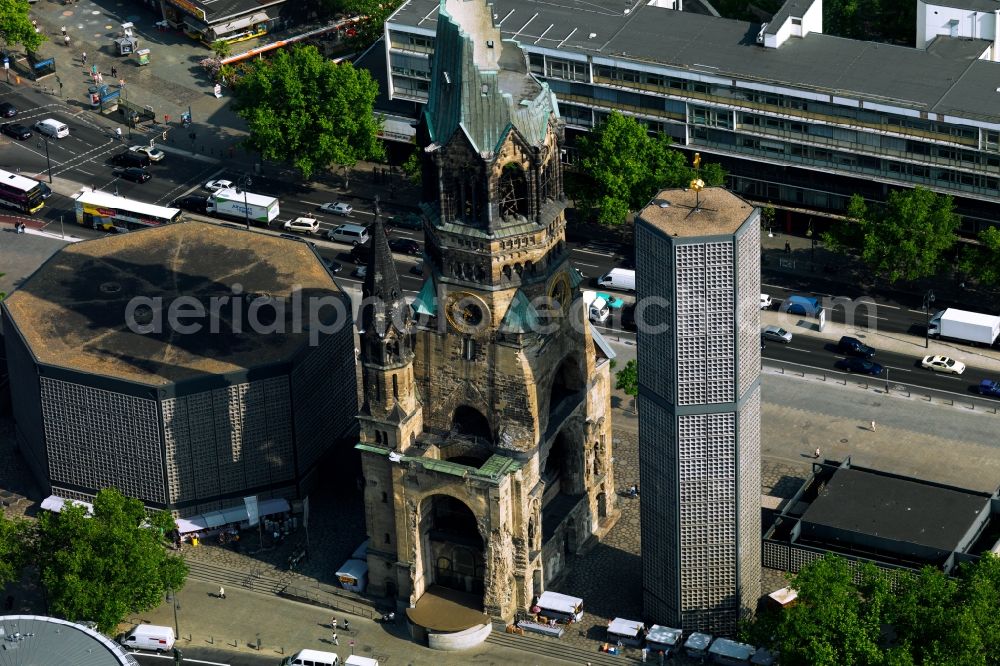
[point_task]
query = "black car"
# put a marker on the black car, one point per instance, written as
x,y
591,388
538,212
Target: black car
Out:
x,y
7,110
853,347
408,221
332,265
360,254
861,365
135,174
130,159
192,202
16,130
404,245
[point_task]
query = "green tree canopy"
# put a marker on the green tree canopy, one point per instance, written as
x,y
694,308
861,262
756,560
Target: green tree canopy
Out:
x,y
309,111
13,553
106,566
627,379
16,26
626,166
906,239
982,262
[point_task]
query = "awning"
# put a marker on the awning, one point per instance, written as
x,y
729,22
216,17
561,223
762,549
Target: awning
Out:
x,y
223,29
236,514
622,627
54,503
399,129
355,569
562,603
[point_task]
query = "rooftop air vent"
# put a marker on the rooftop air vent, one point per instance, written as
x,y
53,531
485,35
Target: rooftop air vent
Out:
x,y
592,35
489,43
760,35
664,204
110,287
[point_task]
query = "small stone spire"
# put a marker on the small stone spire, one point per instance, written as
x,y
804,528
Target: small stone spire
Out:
x,y
384,305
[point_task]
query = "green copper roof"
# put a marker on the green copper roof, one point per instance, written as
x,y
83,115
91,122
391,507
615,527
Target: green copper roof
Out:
x,y
426,301
480,83
521,316
495,468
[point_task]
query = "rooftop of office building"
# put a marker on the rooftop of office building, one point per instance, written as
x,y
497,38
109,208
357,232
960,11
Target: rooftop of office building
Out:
x,y
715,211
89,308
946,78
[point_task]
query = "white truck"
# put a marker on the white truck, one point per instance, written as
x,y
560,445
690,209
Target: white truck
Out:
x,y
258,208
597,307
972,327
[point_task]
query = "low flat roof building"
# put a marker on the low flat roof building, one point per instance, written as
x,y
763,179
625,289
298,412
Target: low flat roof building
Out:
x,y
890,520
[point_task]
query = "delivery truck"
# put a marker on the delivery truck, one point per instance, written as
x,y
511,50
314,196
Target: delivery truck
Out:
x,y
972,327
258,208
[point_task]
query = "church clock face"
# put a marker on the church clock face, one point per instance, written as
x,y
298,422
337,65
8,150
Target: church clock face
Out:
x,y
559,291
466,313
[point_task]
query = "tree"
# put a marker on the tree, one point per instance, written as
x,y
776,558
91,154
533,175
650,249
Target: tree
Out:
x,y
906,239
982,262
106,566
413,168
12,552
833,622
310,111
369,28
16,26
221,49
626,167
627,379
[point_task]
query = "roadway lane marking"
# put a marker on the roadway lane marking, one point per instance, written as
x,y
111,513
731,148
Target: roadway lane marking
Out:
x,y
599,254
185,660
580,263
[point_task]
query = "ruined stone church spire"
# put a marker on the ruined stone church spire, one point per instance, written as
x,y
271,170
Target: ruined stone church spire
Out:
x,y
383,307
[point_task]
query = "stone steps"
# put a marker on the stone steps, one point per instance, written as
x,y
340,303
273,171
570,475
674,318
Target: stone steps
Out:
x,y
554,648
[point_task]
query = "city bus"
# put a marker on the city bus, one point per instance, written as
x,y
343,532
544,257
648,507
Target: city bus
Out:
x,y
22,193
108,212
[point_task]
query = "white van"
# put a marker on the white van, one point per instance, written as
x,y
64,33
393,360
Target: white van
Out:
x,y
149,637
355,660
352,234
52,127
597,308
622,279
311,658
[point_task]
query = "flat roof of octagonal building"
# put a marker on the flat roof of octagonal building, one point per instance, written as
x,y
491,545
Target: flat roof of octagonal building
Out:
x,y
685,213
35,639
72,312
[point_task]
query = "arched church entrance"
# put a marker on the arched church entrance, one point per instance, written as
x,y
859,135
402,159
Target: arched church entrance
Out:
x,y
457,552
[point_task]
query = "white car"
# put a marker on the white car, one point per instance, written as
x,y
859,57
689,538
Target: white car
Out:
x,y
306,225
765,301
337,208
943,364
216,185
154,154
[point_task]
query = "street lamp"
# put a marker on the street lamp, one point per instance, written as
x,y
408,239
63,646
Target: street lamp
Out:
x,y
928,301
48,162
172,594
245,183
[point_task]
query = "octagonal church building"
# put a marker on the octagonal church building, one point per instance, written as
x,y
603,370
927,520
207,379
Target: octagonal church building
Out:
x,y
486,418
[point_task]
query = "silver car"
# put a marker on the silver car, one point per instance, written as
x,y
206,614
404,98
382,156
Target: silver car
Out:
x,y
776,333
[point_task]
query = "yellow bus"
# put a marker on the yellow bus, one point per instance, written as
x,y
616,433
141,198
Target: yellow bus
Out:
x,y
101,210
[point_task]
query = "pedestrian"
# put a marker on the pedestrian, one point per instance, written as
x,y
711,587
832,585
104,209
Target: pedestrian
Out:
x,y
816,454
63,31
17,227
93,70
788,247
114,72
66,40
118,133
335,641
84,57
873,426
222,592
333,624
645,653
347,625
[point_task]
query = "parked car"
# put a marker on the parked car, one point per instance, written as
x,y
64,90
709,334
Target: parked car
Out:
x,y
16,130
854,347
193,202
306,225
776,333
332,265
765,301
337,208
352,234
943,364
404,245
154,154
859,365
989,387
360,272
7,110
135,174
216,185
806,306
407,221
